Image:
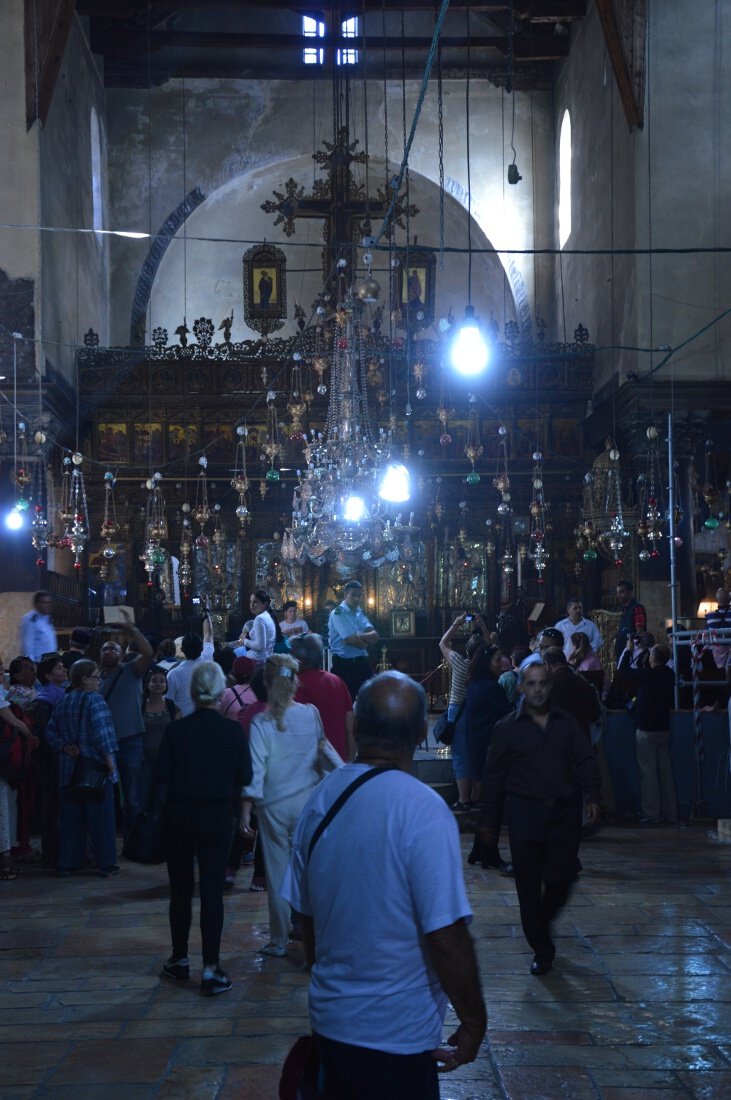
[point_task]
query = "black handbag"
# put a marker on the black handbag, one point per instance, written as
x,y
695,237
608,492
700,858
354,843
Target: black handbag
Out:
x,y
444,730
144,843
88,780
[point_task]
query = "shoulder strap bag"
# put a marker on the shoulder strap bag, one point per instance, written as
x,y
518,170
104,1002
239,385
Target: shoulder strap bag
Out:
x,y
340,801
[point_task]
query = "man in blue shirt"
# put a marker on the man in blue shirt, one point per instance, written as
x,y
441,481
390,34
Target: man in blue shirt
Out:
x,y
350,633
37,636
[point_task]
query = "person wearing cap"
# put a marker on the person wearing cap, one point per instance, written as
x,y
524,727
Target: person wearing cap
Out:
x,y
78,644
239,696
350,633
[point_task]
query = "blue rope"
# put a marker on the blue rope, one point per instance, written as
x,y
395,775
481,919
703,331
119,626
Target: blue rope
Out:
x,y
417,112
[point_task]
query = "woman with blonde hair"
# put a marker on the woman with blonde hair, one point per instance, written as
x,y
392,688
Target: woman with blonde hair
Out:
x,y
289,751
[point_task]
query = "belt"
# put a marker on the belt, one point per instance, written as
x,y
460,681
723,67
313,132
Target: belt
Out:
x,y
130,737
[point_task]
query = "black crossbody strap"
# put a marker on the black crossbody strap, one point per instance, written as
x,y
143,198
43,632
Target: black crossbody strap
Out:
x,y
340,802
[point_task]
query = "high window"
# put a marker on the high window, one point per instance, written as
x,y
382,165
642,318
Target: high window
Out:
x,y
564,181
97,200
315,28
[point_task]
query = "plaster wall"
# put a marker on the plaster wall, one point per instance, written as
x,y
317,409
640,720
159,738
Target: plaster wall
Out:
x,y
239,140
662,187
602,288
74,264
683,171
19,246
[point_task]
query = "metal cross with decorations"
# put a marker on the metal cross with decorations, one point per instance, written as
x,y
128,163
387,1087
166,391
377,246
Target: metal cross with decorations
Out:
x,y
338,200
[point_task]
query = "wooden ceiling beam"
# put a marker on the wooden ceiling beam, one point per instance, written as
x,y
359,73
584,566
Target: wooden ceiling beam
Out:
x,y
545,47
622,75
47,24
538,11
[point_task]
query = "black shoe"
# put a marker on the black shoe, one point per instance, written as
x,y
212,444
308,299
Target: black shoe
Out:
x,y
218,983
177,970
507,870
108,872
542,963
460,807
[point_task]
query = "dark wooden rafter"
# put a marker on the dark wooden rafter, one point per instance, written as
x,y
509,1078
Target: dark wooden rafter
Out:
x,y
46,32
538,11
622,73
542,47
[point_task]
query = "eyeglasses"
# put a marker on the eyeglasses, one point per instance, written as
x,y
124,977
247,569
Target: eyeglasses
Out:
x,y
93,676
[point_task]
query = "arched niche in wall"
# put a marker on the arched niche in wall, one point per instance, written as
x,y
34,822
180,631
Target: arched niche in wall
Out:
x,y
200,272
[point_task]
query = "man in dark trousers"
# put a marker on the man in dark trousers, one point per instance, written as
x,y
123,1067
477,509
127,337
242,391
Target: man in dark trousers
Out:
x,y
654,689
532,761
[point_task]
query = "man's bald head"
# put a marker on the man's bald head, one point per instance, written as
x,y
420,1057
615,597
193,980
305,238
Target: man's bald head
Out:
x,y
390,713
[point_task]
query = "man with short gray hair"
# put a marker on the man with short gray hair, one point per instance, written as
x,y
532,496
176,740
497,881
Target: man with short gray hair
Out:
x,y
326,691
386,937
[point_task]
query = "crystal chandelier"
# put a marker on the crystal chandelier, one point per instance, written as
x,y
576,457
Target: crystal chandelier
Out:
x,y
338,506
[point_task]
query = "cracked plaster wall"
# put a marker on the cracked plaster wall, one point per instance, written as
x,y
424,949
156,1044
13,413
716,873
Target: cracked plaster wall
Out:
x,y
238,140
665,185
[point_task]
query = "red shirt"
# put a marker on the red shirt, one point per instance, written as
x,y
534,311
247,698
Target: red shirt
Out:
x,y
329,694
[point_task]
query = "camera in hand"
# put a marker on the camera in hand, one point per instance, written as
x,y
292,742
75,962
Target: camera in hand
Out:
x,y
195,599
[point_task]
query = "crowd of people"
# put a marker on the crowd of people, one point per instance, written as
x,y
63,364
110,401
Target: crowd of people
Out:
x,y
248,751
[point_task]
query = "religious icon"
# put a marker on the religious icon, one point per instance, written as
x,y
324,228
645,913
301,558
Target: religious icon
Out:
x,y
403,624
111,442
181,439
148,442
265,300
217,441
413,295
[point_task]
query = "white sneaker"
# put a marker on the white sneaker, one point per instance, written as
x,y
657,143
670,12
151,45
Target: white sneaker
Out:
x,y
273,949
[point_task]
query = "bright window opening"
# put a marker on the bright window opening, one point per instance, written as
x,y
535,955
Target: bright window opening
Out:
x,y
315,28
97,200
564,181
349,29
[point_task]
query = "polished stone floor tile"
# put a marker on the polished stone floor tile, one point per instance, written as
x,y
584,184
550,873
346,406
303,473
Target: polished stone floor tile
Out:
x,y
637,1006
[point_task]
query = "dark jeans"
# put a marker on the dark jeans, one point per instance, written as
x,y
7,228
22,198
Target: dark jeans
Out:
x,y
182,846
358,1073
130,760
354,670
544,845
77,818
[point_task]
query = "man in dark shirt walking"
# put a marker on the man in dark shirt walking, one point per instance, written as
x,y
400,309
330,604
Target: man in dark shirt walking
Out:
x,y
654,690
532,761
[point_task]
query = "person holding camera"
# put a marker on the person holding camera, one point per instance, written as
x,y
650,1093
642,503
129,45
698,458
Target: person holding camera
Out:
x,y
195,649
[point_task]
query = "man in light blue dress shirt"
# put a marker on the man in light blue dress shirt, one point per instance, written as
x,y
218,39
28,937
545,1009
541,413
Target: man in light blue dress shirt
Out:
x,y
350,633
37,636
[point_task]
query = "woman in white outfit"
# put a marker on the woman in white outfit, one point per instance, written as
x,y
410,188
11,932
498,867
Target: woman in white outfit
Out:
x,y
288,748
259,639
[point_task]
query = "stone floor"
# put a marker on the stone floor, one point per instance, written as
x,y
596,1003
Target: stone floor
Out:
x,y
638,1006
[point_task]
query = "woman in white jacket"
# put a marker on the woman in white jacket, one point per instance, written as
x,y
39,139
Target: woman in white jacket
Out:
x,y
260,635
289,753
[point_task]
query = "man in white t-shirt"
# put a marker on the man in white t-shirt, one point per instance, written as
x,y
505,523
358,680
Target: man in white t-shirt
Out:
x,y
575,623
194,649
387,938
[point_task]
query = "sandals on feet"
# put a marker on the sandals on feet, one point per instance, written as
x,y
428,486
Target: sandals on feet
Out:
x,y
8,874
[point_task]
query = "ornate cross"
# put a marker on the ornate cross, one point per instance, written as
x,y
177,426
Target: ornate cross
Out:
x,y
338,200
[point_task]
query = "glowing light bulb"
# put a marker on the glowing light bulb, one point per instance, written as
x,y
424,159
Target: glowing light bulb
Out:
x,y
14,520
395,484
355,509
469,354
